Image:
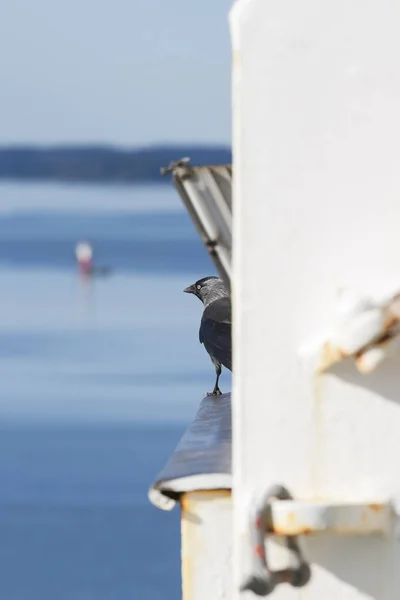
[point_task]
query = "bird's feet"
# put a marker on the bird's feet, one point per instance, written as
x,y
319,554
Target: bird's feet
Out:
x,y
216,392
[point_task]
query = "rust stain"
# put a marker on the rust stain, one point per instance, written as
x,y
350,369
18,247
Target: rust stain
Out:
x,y
390,322
187,500
331,354
292,526
259,550
187,567
385,339
291,518
376,508
187,575
394,306
381,343
236,59
292,530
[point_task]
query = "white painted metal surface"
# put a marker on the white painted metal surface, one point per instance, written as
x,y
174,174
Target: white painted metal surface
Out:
x,y
207,545
316,96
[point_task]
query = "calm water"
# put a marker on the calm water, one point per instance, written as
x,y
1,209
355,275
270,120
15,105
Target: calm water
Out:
x,y
98,382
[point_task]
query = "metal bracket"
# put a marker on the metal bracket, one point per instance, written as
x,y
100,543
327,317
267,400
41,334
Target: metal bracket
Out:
x,y
367,329
277,513
294,517
262,580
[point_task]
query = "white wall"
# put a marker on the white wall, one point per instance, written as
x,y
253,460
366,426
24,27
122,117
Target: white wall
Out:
x,y
316,98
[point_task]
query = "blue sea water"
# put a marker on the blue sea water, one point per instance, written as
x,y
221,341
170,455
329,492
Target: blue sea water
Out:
x,y
99,379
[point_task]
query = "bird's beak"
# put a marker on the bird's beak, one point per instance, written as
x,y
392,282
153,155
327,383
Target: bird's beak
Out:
x,y
190,290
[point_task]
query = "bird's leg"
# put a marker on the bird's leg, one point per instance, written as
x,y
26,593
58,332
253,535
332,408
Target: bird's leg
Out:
x,y
216,391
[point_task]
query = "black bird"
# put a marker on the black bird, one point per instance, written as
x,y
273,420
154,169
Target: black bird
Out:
x,y
215,326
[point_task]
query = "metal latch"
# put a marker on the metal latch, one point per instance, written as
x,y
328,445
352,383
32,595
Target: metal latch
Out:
x,y
277,513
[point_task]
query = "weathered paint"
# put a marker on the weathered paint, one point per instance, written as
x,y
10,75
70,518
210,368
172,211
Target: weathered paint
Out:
x,y
206,529
316,208
297,518
365,329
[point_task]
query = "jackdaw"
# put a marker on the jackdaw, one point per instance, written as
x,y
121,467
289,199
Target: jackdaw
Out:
x,y
215,326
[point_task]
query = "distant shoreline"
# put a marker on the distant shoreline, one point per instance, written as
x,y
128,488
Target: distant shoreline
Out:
x,y
101,164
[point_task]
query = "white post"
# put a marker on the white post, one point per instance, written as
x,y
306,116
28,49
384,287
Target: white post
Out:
x,y
198,476
207,545
316,270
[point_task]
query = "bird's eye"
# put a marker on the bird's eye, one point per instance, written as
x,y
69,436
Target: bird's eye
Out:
x,y
199,287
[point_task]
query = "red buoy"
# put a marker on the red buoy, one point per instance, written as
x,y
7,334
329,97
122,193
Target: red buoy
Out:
x,y
84,257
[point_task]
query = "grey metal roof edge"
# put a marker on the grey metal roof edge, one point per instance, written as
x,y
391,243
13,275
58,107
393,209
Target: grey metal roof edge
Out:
x,y
206,192
202,459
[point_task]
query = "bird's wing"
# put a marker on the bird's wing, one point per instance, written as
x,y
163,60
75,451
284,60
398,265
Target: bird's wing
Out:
x,y
215,331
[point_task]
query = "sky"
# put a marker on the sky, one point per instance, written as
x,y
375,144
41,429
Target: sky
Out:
x,y
125,72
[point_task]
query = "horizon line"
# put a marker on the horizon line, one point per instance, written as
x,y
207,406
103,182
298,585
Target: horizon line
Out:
x,y
111,145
